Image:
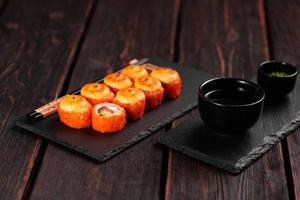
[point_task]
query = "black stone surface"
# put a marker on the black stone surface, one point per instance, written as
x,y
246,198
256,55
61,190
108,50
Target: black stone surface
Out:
x,y
234,153
101,147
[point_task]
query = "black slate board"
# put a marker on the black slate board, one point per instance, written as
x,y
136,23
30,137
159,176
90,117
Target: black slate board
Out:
x,y
235,153
103,147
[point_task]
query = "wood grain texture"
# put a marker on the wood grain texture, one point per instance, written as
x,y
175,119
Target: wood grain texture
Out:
x,y
293,143
226,38
284,31
119,31
37,44
123,31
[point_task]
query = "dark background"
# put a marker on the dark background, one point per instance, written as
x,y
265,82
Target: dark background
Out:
x,y
50,47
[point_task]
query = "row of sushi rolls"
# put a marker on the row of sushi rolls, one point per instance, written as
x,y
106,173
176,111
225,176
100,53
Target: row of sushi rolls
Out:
x,y
123,95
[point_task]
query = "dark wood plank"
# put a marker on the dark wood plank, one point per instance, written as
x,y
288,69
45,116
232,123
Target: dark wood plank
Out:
x,y
284,31
225,38
37,42
293,143
119,31
3,4
132,29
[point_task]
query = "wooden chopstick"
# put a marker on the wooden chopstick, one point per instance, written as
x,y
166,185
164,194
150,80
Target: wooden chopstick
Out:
x,y
51,107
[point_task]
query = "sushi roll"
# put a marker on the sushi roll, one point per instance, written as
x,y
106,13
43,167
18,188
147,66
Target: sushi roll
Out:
x,y
75,111
153,90
134,72
97,93
108,118
170,80
133,101
117,81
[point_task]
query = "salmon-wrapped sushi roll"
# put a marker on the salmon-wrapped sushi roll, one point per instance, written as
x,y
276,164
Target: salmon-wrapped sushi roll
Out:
x,y
97,93
75,111
170,80
134,72
153,90
133,100
117,81
108,118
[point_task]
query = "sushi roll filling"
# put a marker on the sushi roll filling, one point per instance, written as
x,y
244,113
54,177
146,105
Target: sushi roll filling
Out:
x,y
107,109
104,111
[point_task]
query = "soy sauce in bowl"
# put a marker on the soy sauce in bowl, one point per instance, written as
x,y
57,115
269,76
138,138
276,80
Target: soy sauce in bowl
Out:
x,y
229,104
229,97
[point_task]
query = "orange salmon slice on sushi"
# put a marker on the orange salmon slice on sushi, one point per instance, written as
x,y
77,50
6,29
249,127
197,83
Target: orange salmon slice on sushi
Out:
x,y
75,111
170,80
108,118
117,81
134,72
153,91
97,93
133,101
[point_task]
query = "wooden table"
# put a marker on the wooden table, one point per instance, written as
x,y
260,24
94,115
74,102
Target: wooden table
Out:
x,y
51,47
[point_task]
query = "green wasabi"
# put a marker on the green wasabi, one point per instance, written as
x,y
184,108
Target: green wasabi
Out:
x,y
279,74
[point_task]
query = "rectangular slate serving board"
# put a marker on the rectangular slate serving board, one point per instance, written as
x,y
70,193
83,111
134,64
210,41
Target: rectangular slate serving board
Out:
x,y
102,147
235,153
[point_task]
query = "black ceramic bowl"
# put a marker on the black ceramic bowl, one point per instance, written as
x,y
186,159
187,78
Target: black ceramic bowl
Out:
x,y
276,78
230,105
